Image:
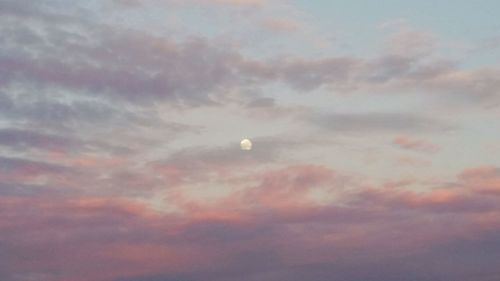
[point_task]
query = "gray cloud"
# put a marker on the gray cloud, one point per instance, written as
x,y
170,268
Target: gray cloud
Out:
x,y
22,139
108,62
58,114
308,75
9,164
378,122
261,102
196,163
26,140
113,63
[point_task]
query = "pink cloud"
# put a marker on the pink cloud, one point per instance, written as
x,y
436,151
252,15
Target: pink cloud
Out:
x,y
412,161
281,24
409,143
254,3
482,179
273,218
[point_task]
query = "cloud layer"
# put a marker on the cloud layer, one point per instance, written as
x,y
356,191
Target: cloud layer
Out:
x,y
120,159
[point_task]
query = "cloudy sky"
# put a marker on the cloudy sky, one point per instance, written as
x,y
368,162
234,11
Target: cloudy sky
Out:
x,y
374,127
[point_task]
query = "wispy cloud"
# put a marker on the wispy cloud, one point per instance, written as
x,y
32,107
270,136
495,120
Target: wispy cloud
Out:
x,y
415,144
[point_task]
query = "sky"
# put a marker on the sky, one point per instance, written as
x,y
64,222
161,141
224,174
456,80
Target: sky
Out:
x,y
374,127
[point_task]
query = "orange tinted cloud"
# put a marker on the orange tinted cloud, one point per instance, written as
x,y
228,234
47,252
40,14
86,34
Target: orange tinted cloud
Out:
x,y
415,144
281,24
482,179
274,219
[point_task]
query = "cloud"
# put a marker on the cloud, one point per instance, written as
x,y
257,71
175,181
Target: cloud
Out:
x,y
378,122
408,143
306,75
34,167
199,163
117,64
42,10
56,114
482,179
241,2
97,183
193,70
412,161
230,3
261,102
30,172
281,25
269,239
408,42
21,140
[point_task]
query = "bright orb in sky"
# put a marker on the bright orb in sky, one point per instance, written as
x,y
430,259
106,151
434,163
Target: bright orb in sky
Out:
x,y
246,144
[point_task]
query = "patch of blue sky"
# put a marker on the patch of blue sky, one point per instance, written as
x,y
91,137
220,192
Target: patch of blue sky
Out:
x,y
359,23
